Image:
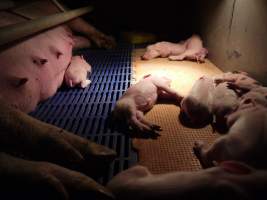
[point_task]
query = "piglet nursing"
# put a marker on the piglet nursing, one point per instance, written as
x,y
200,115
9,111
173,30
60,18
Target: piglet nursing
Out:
x,y
76,73
141,97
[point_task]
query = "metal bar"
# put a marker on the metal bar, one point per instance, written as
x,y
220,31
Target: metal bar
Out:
x,y
21,30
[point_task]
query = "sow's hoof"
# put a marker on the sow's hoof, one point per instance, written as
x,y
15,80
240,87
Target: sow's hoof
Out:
x,y
97,160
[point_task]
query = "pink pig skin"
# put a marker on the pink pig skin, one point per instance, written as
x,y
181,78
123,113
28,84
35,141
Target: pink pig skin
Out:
x,y
237,80
256,96
41,60
140,98
163,49
230,180
194,50
196,106
245,141
224,102
191,49
76,73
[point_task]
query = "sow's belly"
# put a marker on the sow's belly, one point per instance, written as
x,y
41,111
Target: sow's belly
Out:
x,y
33,69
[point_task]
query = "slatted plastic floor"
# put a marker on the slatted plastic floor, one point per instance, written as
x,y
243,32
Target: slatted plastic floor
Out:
x,y
85,111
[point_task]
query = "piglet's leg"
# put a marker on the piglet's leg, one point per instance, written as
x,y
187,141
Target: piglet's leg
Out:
x,y
138,123
167,92
141,118
201,154
178,57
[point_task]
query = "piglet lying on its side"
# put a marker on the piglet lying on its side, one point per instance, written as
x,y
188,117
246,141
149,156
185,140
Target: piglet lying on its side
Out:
x,y
238,81
224,102
245,141
256,96
191,49
163,49
76,73
194,50
196,106
140,98
230,180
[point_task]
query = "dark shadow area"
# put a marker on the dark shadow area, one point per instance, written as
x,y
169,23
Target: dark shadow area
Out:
x,y
188,123
168,20
168,101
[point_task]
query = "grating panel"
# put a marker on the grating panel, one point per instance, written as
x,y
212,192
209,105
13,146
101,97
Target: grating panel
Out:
x,y
85,111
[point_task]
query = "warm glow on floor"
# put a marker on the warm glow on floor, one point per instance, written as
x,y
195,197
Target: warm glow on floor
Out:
x,y
182,73
172,151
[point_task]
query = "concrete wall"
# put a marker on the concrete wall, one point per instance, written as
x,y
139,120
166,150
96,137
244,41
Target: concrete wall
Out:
x,y
235,32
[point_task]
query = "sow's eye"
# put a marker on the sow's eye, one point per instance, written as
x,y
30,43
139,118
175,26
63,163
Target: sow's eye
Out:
x,y
39,61
18,82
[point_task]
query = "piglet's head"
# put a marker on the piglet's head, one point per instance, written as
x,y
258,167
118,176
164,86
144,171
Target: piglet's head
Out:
x,y
150,54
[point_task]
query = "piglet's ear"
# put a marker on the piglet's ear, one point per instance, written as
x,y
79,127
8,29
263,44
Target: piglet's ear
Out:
x,y
235,167
18,82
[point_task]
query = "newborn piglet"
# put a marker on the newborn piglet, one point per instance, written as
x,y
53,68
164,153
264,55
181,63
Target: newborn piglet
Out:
x,y
245,141
224,102
139,98
194,50
163,49
191,49
238,81
230,180
256,96
196,106
76,73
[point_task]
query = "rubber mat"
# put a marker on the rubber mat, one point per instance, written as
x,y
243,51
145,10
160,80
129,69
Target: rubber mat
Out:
x,y
85,111
172,151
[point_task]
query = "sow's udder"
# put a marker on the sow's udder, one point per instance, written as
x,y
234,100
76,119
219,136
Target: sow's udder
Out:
x,y
33,70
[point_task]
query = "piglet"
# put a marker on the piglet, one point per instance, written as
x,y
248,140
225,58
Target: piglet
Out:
x,y
245,141
140,98
224,102
240,81
196,106
230,180
163,49
76,73
256,96
194,50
